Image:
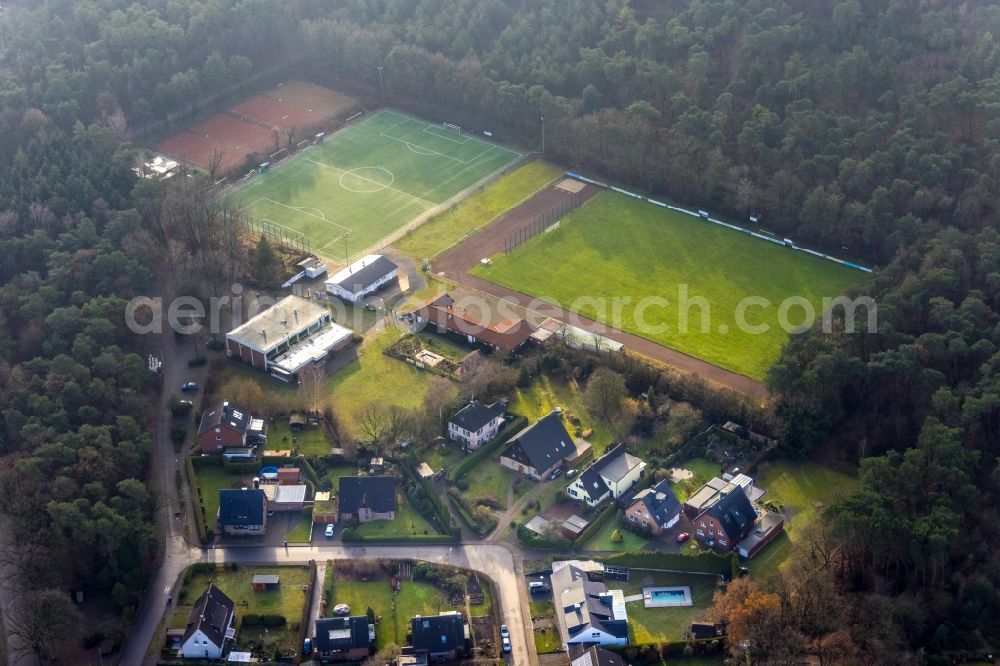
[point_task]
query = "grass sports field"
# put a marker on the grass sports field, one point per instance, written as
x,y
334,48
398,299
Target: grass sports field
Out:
x,y
368,181
618,247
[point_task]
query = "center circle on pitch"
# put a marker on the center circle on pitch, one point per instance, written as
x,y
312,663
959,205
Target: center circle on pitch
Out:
x,y
364,180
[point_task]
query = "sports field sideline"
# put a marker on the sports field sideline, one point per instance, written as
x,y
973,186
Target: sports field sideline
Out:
x,y
368,181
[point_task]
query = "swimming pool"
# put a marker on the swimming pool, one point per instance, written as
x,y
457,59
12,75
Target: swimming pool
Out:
x,y
661,597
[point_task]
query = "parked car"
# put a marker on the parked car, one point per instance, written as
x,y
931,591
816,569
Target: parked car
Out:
x,y
570,474
506,644
504,631
328,533
555,474
537,587
341,610
682,537
189,386
307,646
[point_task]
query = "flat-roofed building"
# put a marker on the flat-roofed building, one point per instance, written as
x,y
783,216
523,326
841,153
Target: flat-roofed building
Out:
x,y
288,336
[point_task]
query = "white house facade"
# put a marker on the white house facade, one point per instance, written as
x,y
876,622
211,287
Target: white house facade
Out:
x,y
610,476
475,424
363,277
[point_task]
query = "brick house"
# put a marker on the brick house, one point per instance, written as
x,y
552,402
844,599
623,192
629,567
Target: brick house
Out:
x,y
655,509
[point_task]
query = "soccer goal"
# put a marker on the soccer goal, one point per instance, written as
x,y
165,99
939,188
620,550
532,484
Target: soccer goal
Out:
x,y
452,128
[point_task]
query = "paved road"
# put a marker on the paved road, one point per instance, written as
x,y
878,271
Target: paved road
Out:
x,y
495,561
455,263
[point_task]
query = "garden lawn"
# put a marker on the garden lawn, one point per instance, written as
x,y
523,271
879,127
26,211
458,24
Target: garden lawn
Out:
x,y
602,539
289,601
406,523
483,609
540,608
547,641
703,471
546,393
656,625
309,441
302,529
477,210
210,481
489,480
414,598
638,250
803,489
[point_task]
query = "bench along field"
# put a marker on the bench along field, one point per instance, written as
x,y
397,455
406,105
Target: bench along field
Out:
x,y
614,246
368,181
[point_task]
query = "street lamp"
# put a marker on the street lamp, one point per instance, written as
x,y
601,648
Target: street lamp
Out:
x,y
381,91
543,134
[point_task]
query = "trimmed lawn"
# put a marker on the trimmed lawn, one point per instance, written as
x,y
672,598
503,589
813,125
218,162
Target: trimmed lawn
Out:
x,y
449,227
393,611
540,608
210,481
547,641
300,533
703,471
490,480
602,539
546,393
483,609
439,456
445,345
309,441
655,625
700,272
803,489
288,600
407,522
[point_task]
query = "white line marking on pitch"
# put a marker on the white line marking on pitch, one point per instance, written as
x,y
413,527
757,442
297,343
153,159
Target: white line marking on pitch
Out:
x,y
412,196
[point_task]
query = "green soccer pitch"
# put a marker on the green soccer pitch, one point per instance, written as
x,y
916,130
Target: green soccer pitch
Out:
x,y
616,247
368,181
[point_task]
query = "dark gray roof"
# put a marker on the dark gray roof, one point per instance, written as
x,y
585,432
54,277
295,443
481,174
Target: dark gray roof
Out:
x,y
226,414
341,633
543,444
734,512
210,613
367,275
438,633
240,508
475,415
613,465
592,655
660,502
377,493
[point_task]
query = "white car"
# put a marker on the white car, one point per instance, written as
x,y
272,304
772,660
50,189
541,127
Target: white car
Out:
x,y
506,644
329,531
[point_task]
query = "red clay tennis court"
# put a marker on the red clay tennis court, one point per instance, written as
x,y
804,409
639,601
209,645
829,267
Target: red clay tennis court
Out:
x,y
234,137
316,99
276,113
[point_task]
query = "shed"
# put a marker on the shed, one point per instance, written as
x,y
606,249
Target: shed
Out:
x,y
425,471
573,526
262,582
297,421
289,476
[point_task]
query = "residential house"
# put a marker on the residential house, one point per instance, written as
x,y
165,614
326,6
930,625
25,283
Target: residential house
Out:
x,y
470,320
593,655
705,496
367,498
655,509
365,276
440,637
210,624
344,638
729,518
608,477
228,426
540,448
243,512
475,424
586,611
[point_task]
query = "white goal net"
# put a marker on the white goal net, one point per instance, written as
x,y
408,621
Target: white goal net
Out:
x,y
452,128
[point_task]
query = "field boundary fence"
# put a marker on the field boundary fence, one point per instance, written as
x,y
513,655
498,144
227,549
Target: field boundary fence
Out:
x,y
545,221
704,215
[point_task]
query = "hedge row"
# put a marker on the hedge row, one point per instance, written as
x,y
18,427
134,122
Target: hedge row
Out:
x,y
709,563
595,525
199,511
461,469
349,536
254,620
466,518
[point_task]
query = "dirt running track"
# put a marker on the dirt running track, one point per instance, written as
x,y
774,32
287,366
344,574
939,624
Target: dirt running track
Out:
x,y
455,263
